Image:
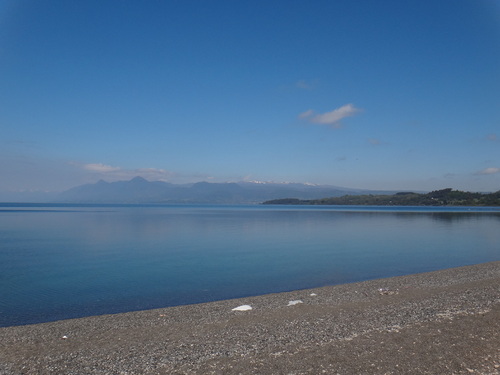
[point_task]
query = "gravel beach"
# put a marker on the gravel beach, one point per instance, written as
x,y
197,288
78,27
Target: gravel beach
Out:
x,y
443,322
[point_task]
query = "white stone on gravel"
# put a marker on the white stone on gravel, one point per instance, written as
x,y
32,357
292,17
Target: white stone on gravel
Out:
x,y
242,308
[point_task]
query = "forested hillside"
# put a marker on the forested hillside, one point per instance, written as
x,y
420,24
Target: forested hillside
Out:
x,y
444,197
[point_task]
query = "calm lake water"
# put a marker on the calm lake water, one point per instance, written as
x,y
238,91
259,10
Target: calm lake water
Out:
x,y
63,261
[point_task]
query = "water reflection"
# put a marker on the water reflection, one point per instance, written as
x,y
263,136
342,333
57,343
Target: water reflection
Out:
x,y
99,260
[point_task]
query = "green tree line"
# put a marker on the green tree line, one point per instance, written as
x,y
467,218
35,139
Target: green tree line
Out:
x,y
444,197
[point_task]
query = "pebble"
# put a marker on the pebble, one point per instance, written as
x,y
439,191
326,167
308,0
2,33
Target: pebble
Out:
x,y
242,308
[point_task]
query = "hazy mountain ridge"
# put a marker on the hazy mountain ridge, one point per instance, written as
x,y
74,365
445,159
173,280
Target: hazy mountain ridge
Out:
x,y
139,190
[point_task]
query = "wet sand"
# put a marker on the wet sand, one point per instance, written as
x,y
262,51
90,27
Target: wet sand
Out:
x,y
443,322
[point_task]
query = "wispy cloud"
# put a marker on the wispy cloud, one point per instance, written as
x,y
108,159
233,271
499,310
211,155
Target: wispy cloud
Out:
x,y
491,170
375,141
493,138
306,114
307,84
100,168
155,174
331,118
117,173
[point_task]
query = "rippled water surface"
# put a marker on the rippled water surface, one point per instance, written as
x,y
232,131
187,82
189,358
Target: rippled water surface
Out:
x,y
62,261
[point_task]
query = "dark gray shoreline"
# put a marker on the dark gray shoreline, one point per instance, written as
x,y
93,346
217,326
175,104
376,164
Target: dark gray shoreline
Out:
x,y
439,322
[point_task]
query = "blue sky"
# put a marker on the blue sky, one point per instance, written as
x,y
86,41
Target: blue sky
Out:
x,y
389,94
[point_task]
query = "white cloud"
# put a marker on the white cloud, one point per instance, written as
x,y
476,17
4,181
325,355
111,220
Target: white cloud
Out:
x,y
336,115
101,168
306,114
331,118
491,170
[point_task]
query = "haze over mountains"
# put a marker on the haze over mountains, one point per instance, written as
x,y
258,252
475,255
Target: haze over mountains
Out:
x,y
139,190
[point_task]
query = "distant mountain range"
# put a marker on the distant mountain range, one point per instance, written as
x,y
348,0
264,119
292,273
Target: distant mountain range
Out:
x,y
139,190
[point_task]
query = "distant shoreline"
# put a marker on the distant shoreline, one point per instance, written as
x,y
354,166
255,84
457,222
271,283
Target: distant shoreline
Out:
x,y
438,198
444,321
